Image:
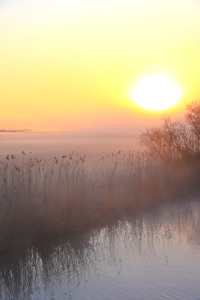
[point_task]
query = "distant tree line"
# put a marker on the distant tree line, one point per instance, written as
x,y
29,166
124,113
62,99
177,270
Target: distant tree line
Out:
x,y
177,140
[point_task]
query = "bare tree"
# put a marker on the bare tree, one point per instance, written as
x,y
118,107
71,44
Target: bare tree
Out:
x,y
175,140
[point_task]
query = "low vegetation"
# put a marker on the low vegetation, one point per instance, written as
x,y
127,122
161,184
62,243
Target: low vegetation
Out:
x,y
44,199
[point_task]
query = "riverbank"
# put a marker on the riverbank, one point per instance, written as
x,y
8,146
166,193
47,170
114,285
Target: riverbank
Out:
x,y
65,195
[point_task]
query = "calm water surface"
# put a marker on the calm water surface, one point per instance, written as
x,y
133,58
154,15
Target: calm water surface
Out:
x,y
49,144
154,256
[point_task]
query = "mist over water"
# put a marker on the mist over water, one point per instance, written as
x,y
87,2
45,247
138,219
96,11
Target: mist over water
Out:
x,y
50,144
151,255
155,256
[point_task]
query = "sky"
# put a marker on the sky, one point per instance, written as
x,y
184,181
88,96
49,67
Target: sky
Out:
x,y
71,65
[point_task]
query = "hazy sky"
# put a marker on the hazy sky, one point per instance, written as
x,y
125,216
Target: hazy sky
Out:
x,y
71,64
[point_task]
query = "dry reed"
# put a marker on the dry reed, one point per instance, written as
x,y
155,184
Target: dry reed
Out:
x,y
41,199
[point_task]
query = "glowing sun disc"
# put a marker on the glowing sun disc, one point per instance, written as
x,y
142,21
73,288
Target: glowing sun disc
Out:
x,y
156,92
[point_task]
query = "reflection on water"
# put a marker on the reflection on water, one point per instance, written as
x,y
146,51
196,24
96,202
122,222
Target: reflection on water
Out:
x,y
156,256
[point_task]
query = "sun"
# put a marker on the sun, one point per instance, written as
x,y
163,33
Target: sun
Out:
x,y
156,92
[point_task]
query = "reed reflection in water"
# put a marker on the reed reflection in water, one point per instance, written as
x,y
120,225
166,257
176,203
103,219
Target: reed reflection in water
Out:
x,y
156,256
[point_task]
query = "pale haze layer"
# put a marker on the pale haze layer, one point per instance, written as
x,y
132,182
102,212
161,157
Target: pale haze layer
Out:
x,y
71,65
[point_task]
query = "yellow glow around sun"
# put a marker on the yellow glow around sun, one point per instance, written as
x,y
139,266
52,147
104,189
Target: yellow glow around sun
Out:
x,y
156,92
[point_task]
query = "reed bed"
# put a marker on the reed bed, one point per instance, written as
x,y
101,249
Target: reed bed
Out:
x,y
42,199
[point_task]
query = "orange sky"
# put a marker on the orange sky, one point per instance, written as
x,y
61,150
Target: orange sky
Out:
x,y
71,65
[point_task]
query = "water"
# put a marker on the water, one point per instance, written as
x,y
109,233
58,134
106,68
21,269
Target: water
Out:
x,y
152,256
49,144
